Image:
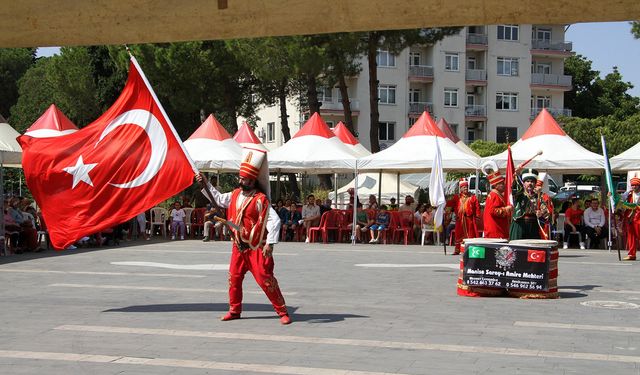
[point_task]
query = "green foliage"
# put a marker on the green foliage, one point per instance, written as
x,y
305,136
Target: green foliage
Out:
x,y
619,134
487,148
14,63
635,29
593,96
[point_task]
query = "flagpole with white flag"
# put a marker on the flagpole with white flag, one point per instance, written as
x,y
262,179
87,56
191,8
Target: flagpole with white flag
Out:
x,y
436,192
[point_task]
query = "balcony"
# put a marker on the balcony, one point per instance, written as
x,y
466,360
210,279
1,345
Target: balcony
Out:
x,y
549,48
477,41
419,107
335,106
476,75
555,112
475,111
421,73
551,81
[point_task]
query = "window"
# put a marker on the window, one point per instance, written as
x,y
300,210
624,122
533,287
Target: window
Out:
x,y
414,58
508,32
471,135
412,120
454,128
450,97
329,123
451,62
542,68
385,59
386,131
506,134
271,131
507,66
543,34
387,94
471,62
471,99
507,101
414,95
325,94
541,102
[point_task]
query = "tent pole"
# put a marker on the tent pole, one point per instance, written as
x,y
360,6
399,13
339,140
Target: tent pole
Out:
x,y
398,189
379,188
335,190
355,206
278,185
2,233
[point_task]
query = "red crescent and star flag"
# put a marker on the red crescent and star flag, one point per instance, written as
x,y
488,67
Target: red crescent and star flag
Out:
x,y
125,162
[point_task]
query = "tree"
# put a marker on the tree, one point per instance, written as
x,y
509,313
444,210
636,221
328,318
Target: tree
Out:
x,y
635,29
593,96
393,41
620,134
35,93
14,63
487,148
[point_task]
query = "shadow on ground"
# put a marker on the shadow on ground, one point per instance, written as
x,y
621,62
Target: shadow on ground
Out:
x,y
223,307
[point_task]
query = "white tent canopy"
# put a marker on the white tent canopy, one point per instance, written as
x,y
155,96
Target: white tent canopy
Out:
x,y
10,150
560,153
415,151
627,161
350,141
314,149
212,149
368,183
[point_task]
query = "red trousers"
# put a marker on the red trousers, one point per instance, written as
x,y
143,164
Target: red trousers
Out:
x,y
261,268
633,237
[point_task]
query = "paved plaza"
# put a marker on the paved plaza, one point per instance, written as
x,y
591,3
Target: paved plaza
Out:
x,y
154,307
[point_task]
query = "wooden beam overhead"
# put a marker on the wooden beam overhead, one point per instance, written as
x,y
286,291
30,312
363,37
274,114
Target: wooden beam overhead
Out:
x,y
35,23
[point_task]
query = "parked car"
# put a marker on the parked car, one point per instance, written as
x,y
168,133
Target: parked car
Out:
x,y
621,187
569,195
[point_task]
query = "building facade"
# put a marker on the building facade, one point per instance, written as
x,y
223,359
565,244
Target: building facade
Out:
x,y
487,82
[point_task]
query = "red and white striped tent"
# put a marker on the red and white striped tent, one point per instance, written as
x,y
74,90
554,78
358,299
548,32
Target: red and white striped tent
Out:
x,y
446,129
414,152
560,153
247,138
52,123
212,149
314,149
350,141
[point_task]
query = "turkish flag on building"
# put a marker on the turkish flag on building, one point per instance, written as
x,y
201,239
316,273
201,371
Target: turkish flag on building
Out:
x,y
536,256
125,162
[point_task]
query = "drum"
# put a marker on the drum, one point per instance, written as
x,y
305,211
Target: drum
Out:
x,y
553,271
469,291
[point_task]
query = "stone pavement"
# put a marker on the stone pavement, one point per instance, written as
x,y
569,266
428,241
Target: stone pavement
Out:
x,y
153,308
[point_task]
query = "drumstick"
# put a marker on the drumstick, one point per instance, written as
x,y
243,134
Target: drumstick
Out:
x,y
524,163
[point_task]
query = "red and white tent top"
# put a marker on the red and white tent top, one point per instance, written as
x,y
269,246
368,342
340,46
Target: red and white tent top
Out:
x,y
350,141
52,123
446,129
560,153
212,149
314,149
247,138
416,149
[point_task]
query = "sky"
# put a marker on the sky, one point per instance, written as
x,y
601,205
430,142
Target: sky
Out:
x,y
606,44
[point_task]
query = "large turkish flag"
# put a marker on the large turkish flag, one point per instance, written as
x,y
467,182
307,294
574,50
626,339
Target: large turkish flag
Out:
x,y
124,163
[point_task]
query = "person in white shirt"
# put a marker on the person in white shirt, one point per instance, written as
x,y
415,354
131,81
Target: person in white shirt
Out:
x,y
594,223
177,221
409,204
310,214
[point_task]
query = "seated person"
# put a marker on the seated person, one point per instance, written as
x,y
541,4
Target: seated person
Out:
x,y
373,202
573,222
381,223
291,222
12,230
310,215
362,224
177,216
393,206
427,219
594,223
210,219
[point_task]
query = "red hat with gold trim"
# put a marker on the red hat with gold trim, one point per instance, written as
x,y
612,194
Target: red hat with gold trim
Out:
x,y
635,181
256,166
539,183
495,178
463,182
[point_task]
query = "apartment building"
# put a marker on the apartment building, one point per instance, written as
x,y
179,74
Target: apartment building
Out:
x,y
487,82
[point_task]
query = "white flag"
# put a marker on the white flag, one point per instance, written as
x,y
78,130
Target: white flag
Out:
x,y
436,188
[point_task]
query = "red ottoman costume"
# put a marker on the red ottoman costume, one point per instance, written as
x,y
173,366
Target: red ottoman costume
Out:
x,y
255,224
632,221
497,215
467,209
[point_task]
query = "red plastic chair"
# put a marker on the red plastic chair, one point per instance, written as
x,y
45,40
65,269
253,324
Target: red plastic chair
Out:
x,y
403,225
197,220
328,222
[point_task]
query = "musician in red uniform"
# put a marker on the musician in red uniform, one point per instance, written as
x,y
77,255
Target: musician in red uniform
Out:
x,y
254,227
467,210
632,219
497,212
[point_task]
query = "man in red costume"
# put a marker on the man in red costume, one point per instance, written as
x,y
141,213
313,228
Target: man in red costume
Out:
x,y
632,219
497,212
254,227
467,210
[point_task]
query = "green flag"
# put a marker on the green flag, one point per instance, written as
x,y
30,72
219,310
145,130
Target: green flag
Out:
x,y
476,252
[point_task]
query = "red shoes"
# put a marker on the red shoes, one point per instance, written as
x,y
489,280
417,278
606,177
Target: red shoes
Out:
x,y
285,319
230,316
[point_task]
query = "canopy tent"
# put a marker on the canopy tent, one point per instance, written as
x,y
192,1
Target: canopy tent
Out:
x,y
368,184
446,129
350,141
52,123
627,161
247,138
10,150
212,149
415,151
560,153
314,149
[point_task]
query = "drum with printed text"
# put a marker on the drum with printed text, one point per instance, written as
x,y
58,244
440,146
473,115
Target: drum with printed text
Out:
x,y
474,291
552,291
